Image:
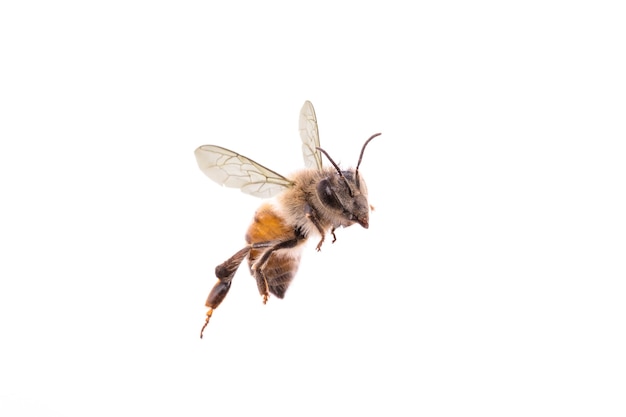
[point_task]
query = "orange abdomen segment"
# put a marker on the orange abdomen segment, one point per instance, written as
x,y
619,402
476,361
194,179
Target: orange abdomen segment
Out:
x,y
268,226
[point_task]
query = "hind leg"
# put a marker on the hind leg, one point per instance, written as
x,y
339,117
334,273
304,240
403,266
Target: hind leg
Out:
x,y
225,273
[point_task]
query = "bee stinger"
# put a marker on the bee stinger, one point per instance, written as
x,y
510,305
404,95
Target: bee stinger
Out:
x,y
313,201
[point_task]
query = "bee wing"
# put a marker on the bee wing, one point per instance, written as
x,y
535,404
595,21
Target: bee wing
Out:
x,y
233,170
310,137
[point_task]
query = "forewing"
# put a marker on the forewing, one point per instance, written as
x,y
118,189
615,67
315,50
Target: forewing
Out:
x,y
234,170
310,137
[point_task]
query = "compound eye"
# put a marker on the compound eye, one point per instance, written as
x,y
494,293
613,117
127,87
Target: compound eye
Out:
x,y
327,195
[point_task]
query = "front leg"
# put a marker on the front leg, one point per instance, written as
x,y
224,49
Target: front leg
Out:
x,y
313,217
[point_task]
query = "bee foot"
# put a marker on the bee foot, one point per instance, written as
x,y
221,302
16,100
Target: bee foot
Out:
x,y
206,322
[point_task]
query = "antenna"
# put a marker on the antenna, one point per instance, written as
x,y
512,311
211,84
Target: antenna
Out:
x,y
363,149
331,160
361,156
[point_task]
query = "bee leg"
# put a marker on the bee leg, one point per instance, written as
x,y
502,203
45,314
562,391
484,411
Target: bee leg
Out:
x,y
259,266
261,281
319,244
332,232
225,273
264,288
312,216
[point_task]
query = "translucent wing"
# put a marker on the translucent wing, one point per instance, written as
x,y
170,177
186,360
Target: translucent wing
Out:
x,y
310,137
233,170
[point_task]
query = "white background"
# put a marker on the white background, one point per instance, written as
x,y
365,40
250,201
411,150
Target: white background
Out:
x,y
491,279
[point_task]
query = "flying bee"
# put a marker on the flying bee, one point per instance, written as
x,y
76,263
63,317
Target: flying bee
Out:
x,y
313,201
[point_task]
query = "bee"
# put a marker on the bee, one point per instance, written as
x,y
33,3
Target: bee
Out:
x,y
312,202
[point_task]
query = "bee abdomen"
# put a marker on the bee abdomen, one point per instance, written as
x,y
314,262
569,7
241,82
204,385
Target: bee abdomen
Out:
x,y
279,270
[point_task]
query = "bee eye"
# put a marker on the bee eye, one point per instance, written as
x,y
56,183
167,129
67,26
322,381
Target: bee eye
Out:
x,y
327,195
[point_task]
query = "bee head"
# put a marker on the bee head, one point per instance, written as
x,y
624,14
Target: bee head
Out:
x,y
346,192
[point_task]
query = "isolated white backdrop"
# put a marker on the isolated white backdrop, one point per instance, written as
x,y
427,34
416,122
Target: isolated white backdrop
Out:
x,y
491,280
